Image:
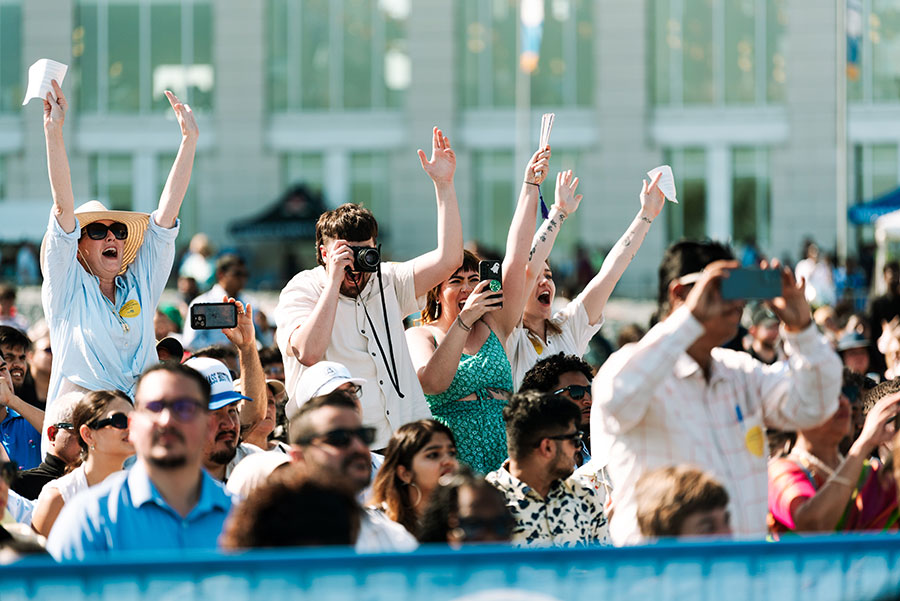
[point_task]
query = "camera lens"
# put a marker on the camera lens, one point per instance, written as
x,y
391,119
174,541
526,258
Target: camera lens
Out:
x,y
366,258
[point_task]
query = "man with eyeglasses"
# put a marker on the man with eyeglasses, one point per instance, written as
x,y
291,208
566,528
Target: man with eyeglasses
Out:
x,y
550,505
63,451
327,436
166,501
231,277
677,396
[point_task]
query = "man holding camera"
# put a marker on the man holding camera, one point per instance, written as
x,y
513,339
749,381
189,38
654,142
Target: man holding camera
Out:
x,y
350,309
677,397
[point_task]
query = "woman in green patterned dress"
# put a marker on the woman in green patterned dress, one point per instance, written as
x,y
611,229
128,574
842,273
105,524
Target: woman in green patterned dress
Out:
x,y
458,352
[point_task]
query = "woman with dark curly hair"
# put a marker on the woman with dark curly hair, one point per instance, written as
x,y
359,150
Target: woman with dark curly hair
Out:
x,y
417,456
100,420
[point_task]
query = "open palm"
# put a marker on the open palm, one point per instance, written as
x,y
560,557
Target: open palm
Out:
x,y
442,165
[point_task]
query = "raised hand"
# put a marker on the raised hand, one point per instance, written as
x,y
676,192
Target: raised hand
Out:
x,y
566,200
538,167
705,300
482,300
243,333
652,198
880,426
185,117
338,259
442,165
791,307
55,110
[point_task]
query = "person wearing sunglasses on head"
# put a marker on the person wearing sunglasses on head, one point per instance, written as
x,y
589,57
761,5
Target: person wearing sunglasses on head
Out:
x,y
551,506
104,270
327,437
100,420
165,501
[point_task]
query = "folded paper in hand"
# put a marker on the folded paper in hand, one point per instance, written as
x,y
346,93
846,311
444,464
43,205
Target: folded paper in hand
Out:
x,y
666,182
40,74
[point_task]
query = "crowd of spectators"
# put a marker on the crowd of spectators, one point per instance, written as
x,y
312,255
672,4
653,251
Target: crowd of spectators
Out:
x,y
480,423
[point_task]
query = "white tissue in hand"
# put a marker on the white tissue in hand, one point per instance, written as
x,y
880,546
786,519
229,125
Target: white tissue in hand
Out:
x,y
666,182
40,74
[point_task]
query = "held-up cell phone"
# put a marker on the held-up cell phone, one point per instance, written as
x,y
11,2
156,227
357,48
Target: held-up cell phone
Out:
x,y
751,284
491,270
213,316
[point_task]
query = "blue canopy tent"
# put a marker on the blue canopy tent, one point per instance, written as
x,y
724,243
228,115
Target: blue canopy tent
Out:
x,y
865,213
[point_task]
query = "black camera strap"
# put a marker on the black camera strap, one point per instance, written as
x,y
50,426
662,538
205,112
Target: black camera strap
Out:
x,y
393,374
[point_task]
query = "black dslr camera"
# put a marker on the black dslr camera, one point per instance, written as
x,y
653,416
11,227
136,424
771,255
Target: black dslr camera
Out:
x,y
365,258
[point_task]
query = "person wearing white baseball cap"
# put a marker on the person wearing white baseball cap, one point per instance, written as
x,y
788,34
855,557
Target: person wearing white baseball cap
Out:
x,y
105,270
223,450
320,379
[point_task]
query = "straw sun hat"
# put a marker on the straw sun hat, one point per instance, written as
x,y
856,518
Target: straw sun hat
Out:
x,y
136,223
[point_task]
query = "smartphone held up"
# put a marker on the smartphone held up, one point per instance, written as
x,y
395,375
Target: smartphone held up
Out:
x,y
745,283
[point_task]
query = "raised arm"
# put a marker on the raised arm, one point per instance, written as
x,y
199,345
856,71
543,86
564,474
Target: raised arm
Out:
x,y
253,378
435,266
565,204
309,341
8,398
180,175
57,161
598,290
436,365
518,242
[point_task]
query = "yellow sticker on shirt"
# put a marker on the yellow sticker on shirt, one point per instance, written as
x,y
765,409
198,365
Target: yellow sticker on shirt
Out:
x,y
130,309
754,441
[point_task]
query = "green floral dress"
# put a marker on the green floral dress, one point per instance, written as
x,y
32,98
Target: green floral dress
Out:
x,y
477,424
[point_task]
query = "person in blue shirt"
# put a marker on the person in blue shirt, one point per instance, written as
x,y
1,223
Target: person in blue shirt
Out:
x,y
104,271
19,424
166,501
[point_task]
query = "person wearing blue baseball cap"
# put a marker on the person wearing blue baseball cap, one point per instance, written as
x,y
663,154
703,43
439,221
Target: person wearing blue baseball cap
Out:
x,y
224,449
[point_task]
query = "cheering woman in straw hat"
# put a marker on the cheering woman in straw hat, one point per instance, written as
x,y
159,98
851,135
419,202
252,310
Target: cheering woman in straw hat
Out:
x,y
104,270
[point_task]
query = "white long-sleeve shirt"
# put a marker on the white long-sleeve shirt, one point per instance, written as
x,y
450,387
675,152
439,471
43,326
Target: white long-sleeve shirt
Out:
x,y
653,407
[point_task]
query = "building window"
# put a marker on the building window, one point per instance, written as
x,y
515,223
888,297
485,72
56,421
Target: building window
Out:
x,y
303,168
689,221
12,89
719,52
337,54
111,177
2,177
876,76
190,214
369,187
487,32
876,170
489,217
128,52
751,196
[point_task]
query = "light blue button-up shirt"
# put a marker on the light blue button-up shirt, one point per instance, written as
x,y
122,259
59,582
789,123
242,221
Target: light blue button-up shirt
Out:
x,y
126,513
91,348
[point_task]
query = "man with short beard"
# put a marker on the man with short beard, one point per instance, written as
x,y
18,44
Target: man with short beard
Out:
x,y
328,437
165,501
223,449
550,505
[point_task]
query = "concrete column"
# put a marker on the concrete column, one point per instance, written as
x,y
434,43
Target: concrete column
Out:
x,y
624,154
803,194
718,196
244,175
431,100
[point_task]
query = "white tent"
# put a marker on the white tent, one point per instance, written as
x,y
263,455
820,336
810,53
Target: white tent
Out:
x,y
887,232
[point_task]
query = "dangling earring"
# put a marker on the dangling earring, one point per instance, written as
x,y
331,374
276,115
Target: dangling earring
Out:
x,y
418,492
437,310
93,447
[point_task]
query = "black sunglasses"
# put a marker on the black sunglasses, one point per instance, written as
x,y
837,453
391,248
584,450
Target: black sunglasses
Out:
x,y
184,410
64,426
343,437
97,230
851,392
119,421
576,437
576,391
9,471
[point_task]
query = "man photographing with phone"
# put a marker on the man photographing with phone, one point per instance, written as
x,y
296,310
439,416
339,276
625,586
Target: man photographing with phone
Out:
x,y
676,397
340,312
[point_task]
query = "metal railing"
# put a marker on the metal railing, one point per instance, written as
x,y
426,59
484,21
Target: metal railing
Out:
x,y
829,568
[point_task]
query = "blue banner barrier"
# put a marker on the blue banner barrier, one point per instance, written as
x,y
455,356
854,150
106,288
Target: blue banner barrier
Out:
x,y
829,568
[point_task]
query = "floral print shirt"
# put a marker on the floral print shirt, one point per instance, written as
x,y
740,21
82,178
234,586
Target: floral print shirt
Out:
x,y
572,513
